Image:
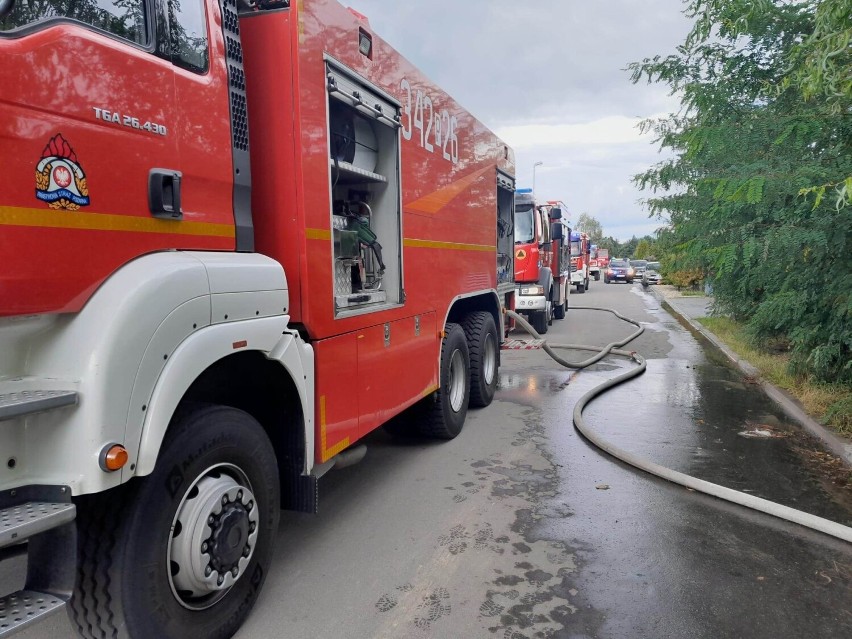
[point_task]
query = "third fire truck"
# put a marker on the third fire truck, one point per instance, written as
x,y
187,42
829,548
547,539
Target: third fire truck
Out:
x,y
595,266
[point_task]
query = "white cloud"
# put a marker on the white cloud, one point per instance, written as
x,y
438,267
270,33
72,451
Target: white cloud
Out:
x,y
549,77
616,129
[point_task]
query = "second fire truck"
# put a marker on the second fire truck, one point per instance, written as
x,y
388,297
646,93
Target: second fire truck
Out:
x,y
580,258
542,260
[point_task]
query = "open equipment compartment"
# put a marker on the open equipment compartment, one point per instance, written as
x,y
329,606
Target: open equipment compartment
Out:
x,y
366,205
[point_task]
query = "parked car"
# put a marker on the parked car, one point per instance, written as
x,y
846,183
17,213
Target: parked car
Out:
x,y
651,275
638,267
619,271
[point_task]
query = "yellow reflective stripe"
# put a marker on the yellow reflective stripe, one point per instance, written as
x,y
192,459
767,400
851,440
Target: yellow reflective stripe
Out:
x,y
325,234
458,246
328,453
317,234
48,218
429,390
343,444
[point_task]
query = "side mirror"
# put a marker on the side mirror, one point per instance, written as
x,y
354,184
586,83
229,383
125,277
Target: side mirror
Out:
x,y
555,213
556,231
6,7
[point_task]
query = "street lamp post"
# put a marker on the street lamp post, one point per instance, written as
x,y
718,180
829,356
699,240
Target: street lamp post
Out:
x,y
537,164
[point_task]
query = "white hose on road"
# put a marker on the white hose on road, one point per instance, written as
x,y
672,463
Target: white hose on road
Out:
x,y
734,496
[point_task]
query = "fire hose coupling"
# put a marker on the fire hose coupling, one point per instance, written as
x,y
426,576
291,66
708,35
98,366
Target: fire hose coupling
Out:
x,y
113,457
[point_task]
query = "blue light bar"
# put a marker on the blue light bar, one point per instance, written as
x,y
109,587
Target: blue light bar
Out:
x,y
575,237
523,190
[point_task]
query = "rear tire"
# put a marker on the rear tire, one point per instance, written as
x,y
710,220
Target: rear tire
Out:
x,y
597,277
141,568
581,288
484,347
446,408
539,322
559,311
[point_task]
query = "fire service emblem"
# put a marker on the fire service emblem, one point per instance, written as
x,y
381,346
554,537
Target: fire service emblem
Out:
x,y
60,180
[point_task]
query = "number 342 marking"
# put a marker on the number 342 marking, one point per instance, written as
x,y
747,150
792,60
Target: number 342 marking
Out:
x,y
437,130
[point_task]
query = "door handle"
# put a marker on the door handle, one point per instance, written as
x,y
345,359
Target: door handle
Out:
x,y
164,194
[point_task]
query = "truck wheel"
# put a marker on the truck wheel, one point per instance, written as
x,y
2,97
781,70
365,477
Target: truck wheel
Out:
x,y
183,552
482,342
597,277
559,311
446,408
539,322
581,288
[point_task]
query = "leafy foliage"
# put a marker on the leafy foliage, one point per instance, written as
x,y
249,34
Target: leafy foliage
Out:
x,y
590,225
765,116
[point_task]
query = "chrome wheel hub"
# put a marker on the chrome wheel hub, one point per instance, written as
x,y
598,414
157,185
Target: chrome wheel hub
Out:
x,y
457,384
214,533
489,360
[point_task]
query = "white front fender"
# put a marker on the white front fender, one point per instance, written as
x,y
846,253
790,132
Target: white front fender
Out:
x,y
205,348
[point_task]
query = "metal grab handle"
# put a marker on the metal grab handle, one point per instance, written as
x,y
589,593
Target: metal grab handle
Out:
x,y
164,193
358,102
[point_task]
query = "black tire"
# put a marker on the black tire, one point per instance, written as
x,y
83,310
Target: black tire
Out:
x,y
581,288
606,280
441,420
597,277
559,311
538,319
484,348
124,586
587,283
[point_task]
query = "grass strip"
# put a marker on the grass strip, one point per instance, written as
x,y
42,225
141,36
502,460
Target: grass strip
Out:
x,y
831,404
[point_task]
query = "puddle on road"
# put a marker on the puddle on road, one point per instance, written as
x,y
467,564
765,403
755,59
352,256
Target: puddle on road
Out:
x,y
694,413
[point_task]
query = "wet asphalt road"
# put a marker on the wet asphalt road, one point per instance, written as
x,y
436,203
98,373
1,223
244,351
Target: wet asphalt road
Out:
x,y
520,529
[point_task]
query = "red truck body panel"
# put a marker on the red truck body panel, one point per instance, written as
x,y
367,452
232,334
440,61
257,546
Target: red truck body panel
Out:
x,y
448,222
83,140
69,221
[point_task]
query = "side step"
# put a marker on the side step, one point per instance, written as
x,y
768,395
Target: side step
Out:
x,y
25,607
42,516
32,518
24,402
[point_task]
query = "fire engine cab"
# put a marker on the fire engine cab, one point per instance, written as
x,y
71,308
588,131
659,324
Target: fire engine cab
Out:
x,y
580,258
542,260
237,237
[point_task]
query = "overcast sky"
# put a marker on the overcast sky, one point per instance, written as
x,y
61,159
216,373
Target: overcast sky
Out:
x,y
548,77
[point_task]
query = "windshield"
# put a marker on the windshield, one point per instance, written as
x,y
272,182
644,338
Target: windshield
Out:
x,y
524,224
575,248
619,263
638,263
653,266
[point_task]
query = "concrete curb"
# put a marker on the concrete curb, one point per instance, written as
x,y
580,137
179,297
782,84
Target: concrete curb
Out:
x,y
790,406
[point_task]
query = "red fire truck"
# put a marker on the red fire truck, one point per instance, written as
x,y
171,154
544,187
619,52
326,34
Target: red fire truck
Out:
x,y
580,257
236,238
542,260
